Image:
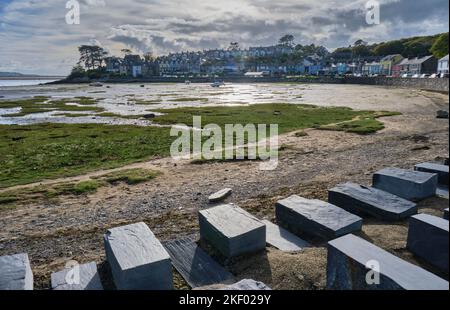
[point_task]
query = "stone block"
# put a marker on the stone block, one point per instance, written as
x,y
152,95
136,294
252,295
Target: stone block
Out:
x,y
355,264
231,230
408,184
138,260
315,218
428,239
15,273
441,170
360,199
78,278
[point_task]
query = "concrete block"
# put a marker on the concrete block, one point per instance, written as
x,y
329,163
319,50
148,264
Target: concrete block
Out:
x,y
353,261
428,239
360,199
232,230
315,217
441,170
138,260
408,184
78,278
15,273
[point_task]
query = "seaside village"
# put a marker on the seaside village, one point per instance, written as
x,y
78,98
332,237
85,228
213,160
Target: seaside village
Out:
x,y
277,60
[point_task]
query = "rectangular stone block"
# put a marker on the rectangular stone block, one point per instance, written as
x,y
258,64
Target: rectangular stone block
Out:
x,y
428,239
315,217
355,264
441,170
360,199
232,230
446,214
408,184
138,260
78,278
15,273
282,239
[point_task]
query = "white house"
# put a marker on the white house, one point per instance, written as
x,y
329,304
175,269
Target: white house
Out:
x,y
443,65
137,70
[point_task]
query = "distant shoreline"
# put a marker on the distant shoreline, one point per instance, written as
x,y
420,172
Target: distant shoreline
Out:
x,y
27,78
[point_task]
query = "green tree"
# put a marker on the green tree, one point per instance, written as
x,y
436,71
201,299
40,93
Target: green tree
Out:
x,y
287,40
440,46
91,56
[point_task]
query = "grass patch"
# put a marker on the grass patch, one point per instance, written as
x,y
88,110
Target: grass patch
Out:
x,y
36,152
147,102
189,99
73,114
130,176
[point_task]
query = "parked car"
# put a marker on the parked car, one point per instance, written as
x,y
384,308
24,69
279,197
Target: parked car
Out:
x,y
406,75
416,76
433,76
424,76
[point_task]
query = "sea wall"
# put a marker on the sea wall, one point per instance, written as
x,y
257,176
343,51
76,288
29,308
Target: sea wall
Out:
x,y
440,85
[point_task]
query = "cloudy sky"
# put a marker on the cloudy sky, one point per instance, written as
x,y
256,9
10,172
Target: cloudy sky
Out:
x,y
35,38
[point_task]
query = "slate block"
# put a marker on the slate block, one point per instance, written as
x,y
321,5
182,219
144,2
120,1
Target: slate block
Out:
x,y
247,285
441,170
349,256
220,195
15,273
315,217
79,278
428,239
360,199
138,260
232,230
442,192
195,266
282,239
408,184
446,214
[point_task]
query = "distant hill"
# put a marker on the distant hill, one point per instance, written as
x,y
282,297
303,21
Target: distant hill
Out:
x,y
15,74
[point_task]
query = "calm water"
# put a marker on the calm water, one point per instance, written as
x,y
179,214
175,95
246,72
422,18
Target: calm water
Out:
x,y
22,82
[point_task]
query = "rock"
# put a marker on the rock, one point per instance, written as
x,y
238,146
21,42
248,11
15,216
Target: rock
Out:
x,y
149,116
360,199
428,239
408,184
282,239
441,170
78,278
138,260
446,214
232,230
247,285
442,114
142,85
15,273
315,217
352,261
220,195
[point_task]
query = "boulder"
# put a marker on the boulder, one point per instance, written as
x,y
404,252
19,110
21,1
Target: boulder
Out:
x,y
220,195
15,273
231,230
408,184
442,114
441,170
360,199
428,239
138,260
315,217
78,278
355,264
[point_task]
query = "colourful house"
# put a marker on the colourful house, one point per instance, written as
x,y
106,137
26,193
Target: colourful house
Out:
x,y
388,63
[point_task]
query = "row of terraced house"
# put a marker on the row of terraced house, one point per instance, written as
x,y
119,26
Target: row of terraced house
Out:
x,y
266,61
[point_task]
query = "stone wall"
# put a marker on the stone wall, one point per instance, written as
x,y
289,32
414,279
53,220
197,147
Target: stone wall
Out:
x,y
426,84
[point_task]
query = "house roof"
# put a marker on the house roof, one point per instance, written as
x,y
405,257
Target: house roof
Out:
x,y
390,57
415,61
444,58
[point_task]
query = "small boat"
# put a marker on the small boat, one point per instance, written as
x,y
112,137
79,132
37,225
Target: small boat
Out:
x,y
96,84
187,82
217,84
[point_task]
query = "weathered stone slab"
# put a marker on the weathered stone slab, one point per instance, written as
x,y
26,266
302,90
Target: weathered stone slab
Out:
x,y
441,170
360,199
446,214
428,239
79,278
315,217
232,230
138,260
282,239
348,257
194,264
220,195
408,184
15,273
247,285
442,192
